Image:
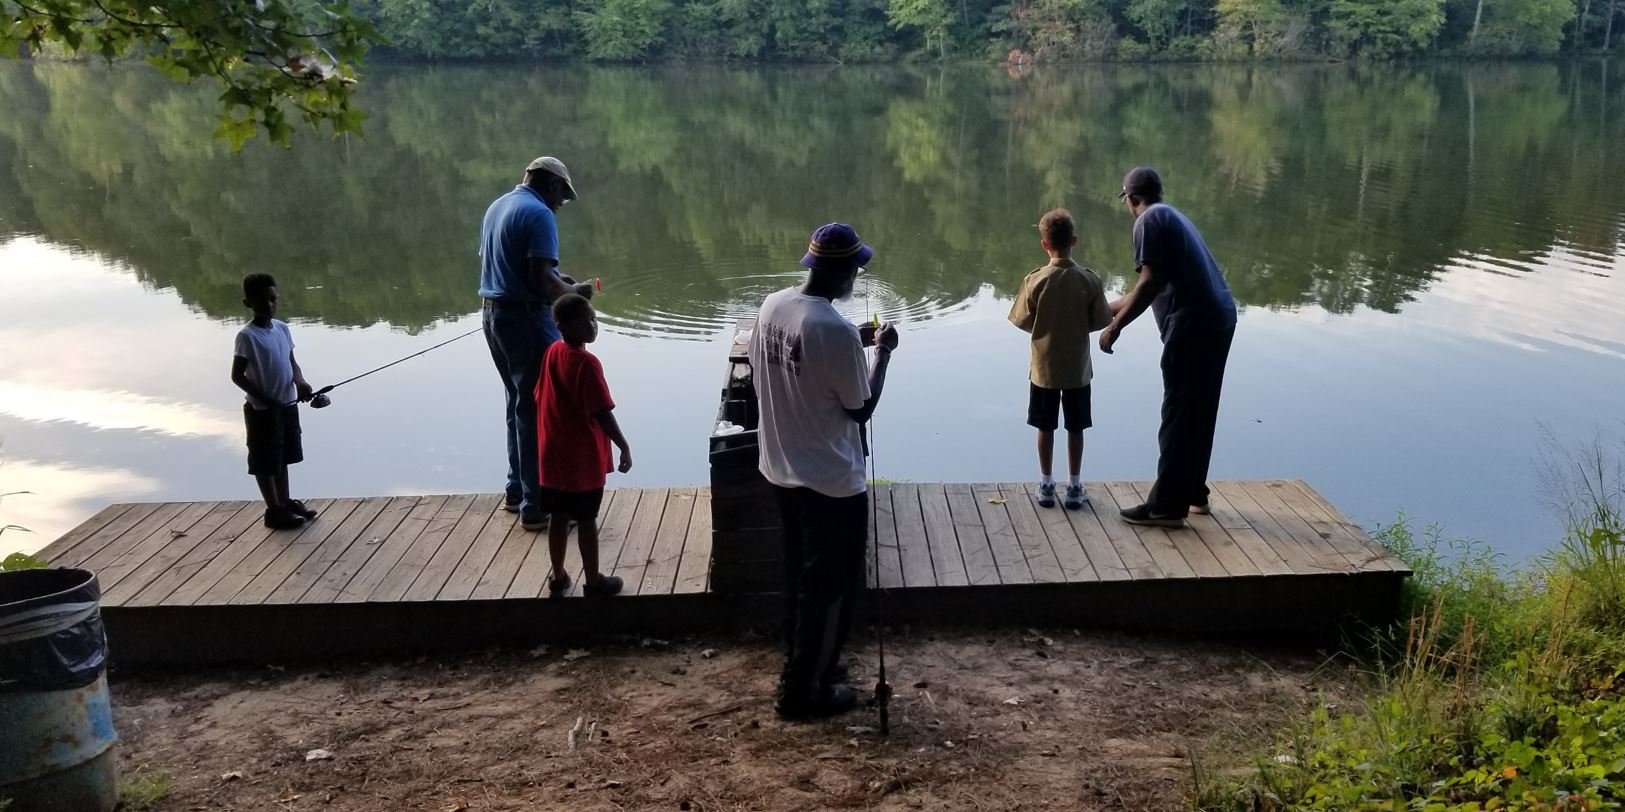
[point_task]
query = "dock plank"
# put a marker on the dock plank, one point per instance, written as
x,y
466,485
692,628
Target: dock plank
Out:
x,y
446,522
76,554
1144,559
1191,546
1297,529
980,567
162,589
154,522
86,531
1073,540
142,575
1343,534
179,529
617,520
457,566
372,574
886,560
499,575
330,583
1036,545
1281,542
694,570
661,574
1008,554
1257,550
913,548
947,562
265,547
300,565
640,539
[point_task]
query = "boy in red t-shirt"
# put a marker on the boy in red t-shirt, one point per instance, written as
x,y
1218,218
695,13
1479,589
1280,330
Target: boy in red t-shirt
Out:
x,y
576,423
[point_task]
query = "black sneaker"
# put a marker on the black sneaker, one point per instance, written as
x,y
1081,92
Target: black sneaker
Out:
x,y
602,587
298,507
283,519
1201,508
511,504
533,520
1142,515
832,701
558,585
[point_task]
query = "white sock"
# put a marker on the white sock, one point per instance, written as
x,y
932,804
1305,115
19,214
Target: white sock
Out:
x,y
1047,480
1072,482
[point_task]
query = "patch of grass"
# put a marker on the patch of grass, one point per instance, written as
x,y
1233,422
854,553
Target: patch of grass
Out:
x,y
1499,688
142,789
20,561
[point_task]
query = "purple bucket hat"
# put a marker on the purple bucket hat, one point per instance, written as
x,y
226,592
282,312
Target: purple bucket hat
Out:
x,y
836,246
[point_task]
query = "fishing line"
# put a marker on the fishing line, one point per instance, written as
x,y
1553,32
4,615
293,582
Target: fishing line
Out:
x,y
322,392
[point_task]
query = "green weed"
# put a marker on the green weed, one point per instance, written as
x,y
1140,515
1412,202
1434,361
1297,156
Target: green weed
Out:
x,y
143,789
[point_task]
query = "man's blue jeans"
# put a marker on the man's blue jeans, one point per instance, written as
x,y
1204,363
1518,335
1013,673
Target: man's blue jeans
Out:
x,y
519,335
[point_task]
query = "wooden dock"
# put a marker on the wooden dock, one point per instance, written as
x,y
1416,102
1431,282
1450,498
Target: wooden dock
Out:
x,y
187,583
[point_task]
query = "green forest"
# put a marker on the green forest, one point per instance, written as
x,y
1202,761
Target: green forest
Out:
x,y
1040,30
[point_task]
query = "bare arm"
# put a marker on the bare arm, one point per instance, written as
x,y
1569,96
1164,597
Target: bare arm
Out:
x,y
299,383
612,429
550,283
239,376
1127,309
885,342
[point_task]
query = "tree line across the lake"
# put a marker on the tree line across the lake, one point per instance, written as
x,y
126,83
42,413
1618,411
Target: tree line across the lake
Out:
x,y
879,30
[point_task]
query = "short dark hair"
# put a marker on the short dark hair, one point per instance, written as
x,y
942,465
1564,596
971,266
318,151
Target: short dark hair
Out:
x,y
571,307
254,283
1057,228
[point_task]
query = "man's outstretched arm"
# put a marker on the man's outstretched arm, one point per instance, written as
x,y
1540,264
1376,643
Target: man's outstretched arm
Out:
x,y
1129,308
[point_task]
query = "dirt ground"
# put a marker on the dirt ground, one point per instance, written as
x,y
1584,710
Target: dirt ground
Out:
x,y
993,720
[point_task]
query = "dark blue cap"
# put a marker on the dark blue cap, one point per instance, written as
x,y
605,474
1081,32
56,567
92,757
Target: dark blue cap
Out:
x,y
836,246
1143,182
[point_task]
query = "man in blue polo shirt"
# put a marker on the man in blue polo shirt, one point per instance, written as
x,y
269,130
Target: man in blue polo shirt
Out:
x,y
1181,283
519,279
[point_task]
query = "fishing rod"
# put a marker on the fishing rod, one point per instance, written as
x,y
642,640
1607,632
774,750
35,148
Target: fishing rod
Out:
x,y
882,687
319,399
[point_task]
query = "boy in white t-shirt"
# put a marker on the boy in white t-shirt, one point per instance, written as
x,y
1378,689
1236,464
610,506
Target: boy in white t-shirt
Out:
x,y
263,367
815,391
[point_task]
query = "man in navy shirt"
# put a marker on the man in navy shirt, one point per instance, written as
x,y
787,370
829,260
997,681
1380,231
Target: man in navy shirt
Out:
x,y
1182,284
519,279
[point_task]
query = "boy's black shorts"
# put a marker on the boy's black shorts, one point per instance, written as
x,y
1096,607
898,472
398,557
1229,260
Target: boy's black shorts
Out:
x,y
273,439
581,506
1044,408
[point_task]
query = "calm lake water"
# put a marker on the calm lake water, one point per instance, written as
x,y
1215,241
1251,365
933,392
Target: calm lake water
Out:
x,y
1431,264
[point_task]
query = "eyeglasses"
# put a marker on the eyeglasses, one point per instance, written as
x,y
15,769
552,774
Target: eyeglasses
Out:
x,y
1122,195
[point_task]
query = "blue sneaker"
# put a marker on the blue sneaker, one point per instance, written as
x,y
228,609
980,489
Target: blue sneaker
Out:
x,y
1075,497
1046,495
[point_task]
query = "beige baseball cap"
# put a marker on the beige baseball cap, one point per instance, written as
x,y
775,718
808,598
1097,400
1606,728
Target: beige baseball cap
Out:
x,y
556,167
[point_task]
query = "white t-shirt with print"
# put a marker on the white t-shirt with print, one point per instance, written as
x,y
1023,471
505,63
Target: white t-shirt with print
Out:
x,y
269,351
809,368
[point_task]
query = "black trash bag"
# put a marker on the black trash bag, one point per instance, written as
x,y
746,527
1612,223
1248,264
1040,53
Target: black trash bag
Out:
x,y
51,635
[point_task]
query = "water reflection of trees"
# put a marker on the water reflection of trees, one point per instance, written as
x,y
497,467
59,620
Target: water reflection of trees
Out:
x,y
1335,187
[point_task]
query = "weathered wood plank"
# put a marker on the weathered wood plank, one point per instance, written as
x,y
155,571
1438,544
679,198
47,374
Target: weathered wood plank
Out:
x,y
1137,551
447,521
299,546
1257,550
661,574
162,590
1196,548
114,530
331,582
885,563
265,547
1008,554
640,539
1280,541
617,521
87,530
128,540
455,570
1190,545
1094,546
392,550
140,576
1299,530
980,567
947,561
1345,535
300,565
499,575
913,548
694,570
179,529
1036,545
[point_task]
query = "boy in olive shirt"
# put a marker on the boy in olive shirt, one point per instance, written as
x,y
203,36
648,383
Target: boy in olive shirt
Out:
x,y
1060,304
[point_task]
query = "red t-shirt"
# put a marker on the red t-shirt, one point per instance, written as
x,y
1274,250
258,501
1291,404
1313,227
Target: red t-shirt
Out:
x,y
571,394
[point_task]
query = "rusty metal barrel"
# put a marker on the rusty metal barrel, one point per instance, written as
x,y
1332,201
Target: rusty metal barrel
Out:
x,y
56,719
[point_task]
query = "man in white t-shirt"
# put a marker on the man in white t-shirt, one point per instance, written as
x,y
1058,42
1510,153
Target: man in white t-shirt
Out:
x,y
815,390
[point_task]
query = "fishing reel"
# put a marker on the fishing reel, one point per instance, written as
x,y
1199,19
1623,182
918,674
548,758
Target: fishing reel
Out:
x,y
320,400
